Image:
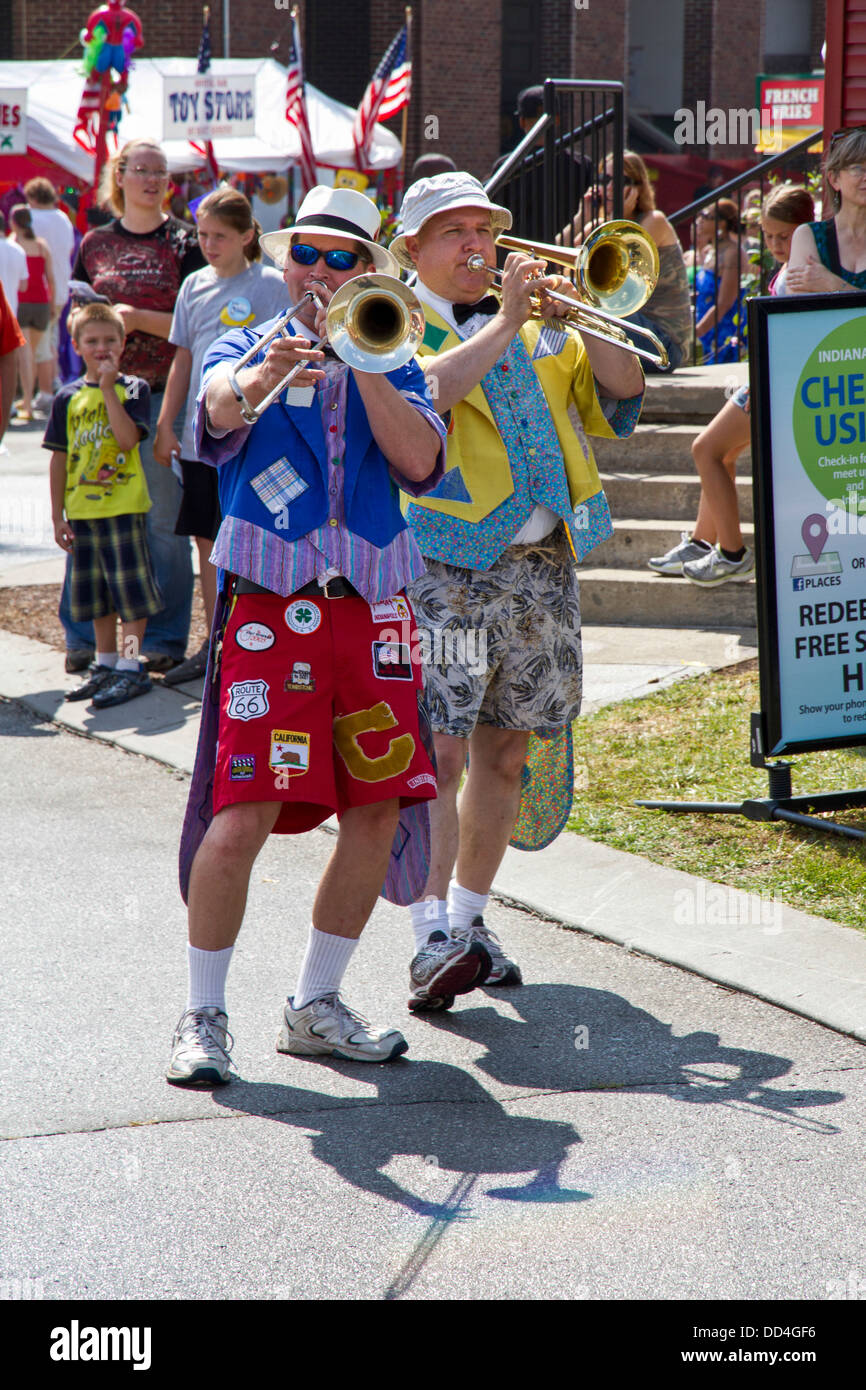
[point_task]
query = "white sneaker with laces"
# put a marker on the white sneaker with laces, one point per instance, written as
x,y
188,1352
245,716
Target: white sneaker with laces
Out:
x,y
715,568
201,1049
444,967
673,561
328,1027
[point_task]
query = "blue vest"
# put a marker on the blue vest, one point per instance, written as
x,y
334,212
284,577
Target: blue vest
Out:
x,y
279,479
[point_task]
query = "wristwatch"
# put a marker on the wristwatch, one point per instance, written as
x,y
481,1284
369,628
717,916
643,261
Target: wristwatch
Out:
x,y
247,411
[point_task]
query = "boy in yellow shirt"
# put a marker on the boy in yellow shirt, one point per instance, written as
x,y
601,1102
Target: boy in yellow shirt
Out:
x,y
99,500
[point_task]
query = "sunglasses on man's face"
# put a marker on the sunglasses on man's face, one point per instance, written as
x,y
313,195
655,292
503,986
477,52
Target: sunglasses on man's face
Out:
x,y
337,260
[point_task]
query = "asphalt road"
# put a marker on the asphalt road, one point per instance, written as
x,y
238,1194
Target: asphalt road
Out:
x,y
615,1129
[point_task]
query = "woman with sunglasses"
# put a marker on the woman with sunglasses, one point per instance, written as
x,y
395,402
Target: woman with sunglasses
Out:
x,y
139,261
829,257
667,312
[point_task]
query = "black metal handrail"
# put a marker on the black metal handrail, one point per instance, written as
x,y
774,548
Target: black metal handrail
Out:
x,y
544,185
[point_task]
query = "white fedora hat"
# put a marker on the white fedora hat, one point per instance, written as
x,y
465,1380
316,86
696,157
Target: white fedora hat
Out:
x,y
343,213
440,193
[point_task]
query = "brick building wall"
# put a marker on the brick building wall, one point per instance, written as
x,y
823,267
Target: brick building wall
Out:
x,y
599,41
457,46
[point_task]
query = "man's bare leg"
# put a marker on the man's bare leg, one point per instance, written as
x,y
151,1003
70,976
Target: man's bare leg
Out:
x,y
356,870
444,833
221,870
489,804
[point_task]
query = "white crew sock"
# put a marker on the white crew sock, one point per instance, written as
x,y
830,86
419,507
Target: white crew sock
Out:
x,y
106,659
207,977
464,905
428,915
323,966
126,663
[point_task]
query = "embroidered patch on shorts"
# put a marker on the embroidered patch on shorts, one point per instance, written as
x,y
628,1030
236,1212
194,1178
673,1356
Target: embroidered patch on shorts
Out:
x,y
255,637
424,779
243,767
396,758
301,677
392,661
290,752
390,610
303,616
248,700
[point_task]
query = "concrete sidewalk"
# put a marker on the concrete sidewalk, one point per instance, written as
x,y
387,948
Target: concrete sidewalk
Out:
x,y
746,942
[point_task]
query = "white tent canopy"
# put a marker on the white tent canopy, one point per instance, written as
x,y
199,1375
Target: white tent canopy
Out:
x,y
54,91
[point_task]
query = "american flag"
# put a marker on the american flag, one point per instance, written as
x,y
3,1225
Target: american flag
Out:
x,y
296,108
204,66
388,92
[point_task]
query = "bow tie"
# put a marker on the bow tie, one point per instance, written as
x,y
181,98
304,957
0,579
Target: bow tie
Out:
x,y
488,305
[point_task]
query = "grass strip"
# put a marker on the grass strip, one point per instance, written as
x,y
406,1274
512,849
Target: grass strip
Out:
x,y
690,742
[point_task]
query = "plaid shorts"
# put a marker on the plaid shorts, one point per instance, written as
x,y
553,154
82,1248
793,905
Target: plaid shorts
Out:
x,y
502,646
111,570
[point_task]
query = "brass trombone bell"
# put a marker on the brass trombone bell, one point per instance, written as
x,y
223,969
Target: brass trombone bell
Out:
x,y
616,270
374,323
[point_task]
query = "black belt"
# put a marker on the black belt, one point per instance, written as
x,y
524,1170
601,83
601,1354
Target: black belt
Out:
x,y
335,587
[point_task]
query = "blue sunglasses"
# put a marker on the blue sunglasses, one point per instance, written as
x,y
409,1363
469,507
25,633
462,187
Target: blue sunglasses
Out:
x,y
337,260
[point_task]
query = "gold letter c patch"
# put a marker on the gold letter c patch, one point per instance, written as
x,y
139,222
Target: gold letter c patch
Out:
x,y
347,728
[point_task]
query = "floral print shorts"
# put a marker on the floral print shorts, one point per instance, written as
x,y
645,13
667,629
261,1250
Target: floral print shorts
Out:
x,y
502,646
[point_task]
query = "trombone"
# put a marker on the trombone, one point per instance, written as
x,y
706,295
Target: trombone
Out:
x,y
374,323
617,267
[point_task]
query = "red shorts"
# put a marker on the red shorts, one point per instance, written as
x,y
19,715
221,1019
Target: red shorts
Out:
x,y
319,707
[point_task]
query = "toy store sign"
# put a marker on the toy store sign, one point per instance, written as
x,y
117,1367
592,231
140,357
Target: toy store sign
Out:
x,y
13,120
207,107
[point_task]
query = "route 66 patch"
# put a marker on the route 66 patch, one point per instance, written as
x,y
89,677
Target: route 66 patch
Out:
x,y
248,700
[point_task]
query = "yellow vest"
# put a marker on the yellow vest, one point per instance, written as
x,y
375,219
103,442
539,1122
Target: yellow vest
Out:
x,y
475,445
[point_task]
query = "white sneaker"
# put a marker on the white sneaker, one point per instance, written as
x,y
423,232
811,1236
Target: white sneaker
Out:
x,y
673,562
714,568
200,1049
328,1027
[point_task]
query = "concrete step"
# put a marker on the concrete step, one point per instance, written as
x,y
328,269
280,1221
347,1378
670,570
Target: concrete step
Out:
x,y
657,448
691,393
634,542
641,599
671,495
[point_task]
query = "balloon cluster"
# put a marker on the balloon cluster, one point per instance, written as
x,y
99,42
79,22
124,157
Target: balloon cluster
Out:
x,y
110,37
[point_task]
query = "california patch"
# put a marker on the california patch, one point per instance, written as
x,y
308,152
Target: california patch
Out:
x,y
242,768
248,700
303,616
290,752
391,610
392,661
255,637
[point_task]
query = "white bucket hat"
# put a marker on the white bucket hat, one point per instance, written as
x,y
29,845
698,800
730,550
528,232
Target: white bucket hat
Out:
x,y
343,213
440,193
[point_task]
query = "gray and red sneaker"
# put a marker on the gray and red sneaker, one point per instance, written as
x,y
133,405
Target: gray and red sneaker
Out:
x,y
445,967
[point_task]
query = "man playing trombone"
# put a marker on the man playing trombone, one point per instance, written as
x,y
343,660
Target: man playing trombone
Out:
x,y
311,706
521,500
